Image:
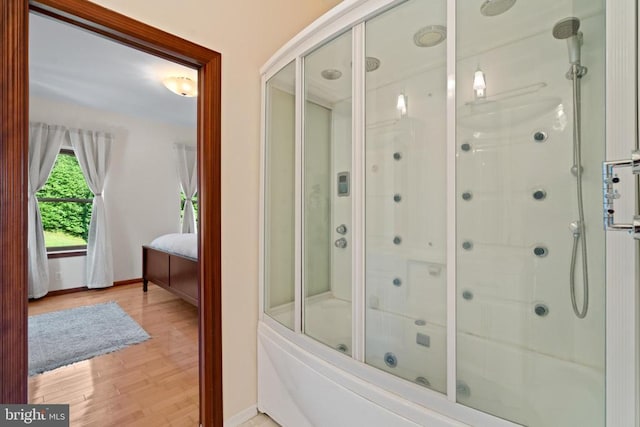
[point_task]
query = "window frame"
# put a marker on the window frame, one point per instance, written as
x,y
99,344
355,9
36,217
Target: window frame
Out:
x,y
71,250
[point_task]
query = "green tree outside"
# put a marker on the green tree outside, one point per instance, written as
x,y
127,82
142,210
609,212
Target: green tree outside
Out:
x,y
183,200
66,182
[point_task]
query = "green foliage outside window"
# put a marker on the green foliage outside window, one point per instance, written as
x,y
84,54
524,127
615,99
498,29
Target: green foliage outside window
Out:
x,y
61,216
194,200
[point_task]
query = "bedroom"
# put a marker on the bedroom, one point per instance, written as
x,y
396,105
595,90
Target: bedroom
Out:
x,y
80,81
142,154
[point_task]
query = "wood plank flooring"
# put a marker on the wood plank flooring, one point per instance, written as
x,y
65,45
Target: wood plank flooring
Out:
x,y
154,383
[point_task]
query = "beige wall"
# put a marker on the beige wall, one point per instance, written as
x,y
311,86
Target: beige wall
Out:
x,y
247,33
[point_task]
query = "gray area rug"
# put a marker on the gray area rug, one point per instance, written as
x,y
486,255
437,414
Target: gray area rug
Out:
x,y
63,337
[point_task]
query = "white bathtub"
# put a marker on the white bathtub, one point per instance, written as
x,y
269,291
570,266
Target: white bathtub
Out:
x,y
298,389
303,382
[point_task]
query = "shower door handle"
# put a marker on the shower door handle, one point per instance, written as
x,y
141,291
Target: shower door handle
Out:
x,y
609,194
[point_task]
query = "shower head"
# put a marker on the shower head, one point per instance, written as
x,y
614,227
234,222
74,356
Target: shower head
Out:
x,y
567,29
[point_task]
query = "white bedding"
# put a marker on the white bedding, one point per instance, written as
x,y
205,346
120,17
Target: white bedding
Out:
x,y
185,244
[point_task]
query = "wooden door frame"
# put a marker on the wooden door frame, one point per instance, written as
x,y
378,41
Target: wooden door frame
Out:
x,y
14,119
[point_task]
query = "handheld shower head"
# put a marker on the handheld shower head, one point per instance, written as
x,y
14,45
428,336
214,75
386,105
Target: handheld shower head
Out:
x,y
568,29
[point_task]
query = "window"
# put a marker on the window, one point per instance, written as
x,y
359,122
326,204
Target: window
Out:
x,y
65,205
194,200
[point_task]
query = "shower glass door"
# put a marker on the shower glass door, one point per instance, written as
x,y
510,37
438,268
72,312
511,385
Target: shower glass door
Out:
x,y
530,244
279,189
327,197
405,201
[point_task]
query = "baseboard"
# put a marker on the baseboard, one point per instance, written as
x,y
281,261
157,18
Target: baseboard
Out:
x,y
127,282
66,291
242,416
84,288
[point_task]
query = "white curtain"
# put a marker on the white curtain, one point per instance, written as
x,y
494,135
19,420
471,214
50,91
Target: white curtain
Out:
x,y
44,145
187,168
93,150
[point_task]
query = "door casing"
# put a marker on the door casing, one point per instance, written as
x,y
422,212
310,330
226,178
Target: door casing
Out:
x,y
14,119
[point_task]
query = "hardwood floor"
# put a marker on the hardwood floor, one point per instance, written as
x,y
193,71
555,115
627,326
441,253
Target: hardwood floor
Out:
x,y
154,383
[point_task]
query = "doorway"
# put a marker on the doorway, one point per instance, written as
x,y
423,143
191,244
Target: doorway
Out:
x,y
13,166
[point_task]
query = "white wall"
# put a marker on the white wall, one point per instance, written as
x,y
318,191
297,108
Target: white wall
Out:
x,y
247,33
141,191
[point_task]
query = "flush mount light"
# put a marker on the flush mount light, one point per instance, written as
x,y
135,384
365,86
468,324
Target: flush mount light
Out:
x,y
496,7
331,74
430,36
182,86
371,63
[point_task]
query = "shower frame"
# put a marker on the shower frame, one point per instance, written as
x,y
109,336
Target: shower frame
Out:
x,y
622,291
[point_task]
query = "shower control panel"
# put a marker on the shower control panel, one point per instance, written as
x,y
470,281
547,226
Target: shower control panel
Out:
x,y
343,184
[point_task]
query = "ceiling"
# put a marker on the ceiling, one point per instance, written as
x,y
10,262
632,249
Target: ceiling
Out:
x,y
389,38
73,65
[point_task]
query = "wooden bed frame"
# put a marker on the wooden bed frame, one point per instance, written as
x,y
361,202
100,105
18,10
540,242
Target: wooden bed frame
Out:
x,y
176,273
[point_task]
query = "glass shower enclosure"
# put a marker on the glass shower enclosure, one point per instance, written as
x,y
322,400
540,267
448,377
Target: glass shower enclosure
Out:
x,y
434,209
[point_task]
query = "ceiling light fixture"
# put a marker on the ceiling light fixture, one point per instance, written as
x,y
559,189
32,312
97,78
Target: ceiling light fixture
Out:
x,y
182,86
371,63
479,84
496,7
402,104
331,74
430,36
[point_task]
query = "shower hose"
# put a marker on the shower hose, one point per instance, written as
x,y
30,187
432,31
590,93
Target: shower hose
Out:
x,y
579,236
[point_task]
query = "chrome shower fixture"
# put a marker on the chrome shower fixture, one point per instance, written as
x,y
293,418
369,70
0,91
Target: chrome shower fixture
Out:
x,y
575,229
496,7
567,29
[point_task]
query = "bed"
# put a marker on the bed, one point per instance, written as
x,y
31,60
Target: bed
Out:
x,y
171,262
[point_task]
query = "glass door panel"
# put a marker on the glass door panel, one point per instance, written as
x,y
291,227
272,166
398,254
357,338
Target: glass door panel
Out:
x,y
327,195
280,197
405,164
530,244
